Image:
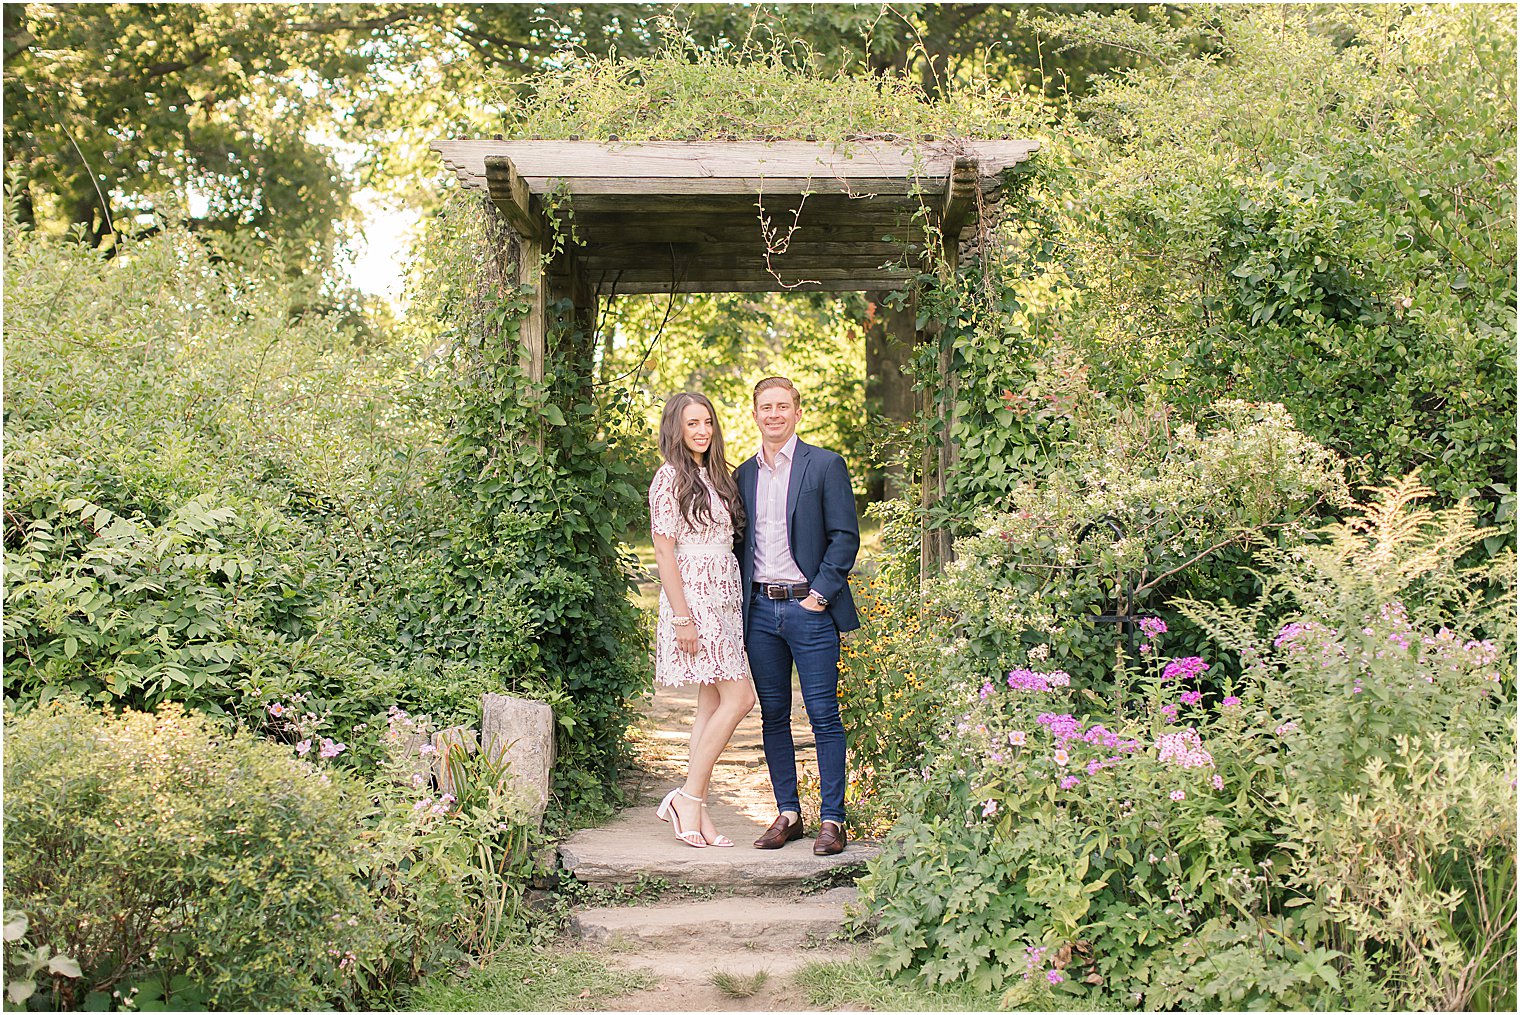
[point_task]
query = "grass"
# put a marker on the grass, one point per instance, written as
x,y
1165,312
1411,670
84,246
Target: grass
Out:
x,y
736,985
525,978
857,982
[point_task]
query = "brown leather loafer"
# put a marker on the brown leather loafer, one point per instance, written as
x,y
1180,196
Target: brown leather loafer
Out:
x,y
779,834
831,839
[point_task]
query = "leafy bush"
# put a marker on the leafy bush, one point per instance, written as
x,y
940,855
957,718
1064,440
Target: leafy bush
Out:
x,y
1314,207
513,563
1254,841
203,868
190,477
1137,505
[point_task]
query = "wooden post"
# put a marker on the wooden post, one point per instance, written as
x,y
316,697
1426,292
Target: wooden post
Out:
x,y
509,192
889,338
960,198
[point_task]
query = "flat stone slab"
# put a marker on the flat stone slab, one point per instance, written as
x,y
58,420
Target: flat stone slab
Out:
x,y
775,922
637,845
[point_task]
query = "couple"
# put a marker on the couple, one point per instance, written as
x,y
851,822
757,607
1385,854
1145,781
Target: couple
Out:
x,y
755,565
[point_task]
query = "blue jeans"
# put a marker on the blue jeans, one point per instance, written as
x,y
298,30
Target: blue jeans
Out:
x,y
782,633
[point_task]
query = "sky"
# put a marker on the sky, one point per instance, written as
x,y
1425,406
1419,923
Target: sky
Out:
x,y
381,252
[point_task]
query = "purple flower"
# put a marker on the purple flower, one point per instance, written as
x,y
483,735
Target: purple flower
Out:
x,y
1070,782
986,691
1094,767
1185,668
1152,627
1029,680
1054,977
1230,701
1192,697
1170,711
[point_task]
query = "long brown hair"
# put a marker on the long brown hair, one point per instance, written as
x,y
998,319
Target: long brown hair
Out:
x,y
691,495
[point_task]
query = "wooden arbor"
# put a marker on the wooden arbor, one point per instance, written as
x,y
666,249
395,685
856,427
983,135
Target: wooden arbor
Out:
x,y
728,216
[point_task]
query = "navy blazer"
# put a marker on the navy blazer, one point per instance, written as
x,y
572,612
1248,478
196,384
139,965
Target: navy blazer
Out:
x,y
821,528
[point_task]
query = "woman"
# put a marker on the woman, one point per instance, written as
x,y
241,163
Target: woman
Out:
x,y
694,515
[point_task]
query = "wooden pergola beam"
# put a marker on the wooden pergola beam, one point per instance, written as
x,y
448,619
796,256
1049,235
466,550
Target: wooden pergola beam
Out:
x,y
513,198
721,167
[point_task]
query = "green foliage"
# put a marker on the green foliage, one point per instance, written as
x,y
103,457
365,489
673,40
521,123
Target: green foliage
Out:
x,y
1397,679
722,344
156,849
189,479
1334,827
1321,213
24,965
1129,504
448,871
534,487
136,106
760,95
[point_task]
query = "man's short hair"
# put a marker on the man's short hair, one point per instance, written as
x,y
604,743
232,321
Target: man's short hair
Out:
x,y
777,382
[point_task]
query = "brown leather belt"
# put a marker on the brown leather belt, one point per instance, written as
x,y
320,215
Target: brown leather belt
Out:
x,y
782,590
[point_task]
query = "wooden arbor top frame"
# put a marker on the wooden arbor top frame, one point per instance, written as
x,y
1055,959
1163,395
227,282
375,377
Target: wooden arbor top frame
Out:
x,y
736,216
731,216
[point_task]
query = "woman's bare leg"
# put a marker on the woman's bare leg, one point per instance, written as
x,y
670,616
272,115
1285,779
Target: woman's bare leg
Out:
x,y
735,698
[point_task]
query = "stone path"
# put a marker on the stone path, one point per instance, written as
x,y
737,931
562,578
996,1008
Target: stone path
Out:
x,y
737,911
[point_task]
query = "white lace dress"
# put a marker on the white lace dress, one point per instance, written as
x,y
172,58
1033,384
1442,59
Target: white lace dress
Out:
x,y
710,579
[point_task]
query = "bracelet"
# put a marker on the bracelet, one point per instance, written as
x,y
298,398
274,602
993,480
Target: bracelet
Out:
x,y
681,621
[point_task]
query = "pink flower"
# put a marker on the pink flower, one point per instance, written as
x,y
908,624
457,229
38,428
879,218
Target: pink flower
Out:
x,y
1170,711
1183,749
1152,627
1177,794
989,808
276,710
303,747
1094,766
1192,697
1230,701
1062,758
1054,977
1286,728
1016,738
1218,781
331,749
1185,668
1070,782
986,691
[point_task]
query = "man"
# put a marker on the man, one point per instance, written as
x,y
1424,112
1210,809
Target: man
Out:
x,y
794,562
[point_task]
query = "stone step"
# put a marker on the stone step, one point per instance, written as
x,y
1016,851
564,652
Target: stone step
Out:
x,y
744,922
636,846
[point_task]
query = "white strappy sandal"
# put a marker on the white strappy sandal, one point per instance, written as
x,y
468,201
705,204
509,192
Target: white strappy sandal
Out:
x,y
720,839
667,812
